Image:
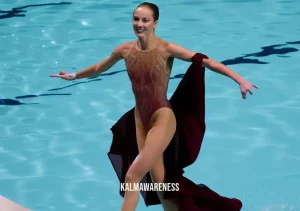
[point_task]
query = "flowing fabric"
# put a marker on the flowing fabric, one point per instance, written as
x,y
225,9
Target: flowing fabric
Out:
x,y
188,104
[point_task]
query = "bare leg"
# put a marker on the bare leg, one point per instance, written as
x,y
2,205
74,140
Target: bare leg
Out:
x,y
157,175
131,199
157,140
158,171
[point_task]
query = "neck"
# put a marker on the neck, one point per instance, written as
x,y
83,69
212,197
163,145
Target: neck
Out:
x,y
144,42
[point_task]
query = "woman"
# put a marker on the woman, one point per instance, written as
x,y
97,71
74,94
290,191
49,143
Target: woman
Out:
x,y
159,123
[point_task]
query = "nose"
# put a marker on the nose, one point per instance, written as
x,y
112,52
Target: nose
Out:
x,y
139,23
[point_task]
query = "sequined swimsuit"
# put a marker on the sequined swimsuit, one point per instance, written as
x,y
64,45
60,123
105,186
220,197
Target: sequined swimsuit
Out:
x,y
149,77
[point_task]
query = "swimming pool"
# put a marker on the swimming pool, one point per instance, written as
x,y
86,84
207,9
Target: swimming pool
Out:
x,y
55,134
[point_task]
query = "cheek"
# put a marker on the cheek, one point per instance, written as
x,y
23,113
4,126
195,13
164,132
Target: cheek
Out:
x,y
149,26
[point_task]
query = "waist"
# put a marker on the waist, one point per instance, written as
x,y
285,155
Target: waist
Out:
x,y
150,105
150,99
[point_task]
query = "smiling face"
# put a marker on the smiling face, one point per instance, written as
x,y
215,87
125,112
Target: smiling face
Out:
x,y
143,21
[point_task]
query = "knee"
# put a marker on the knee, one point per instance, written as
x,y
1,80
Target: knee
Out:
x,y
132,177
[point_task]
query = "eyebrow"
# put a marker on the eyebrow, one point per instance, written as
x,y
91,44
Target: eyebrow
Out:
x,y
139,17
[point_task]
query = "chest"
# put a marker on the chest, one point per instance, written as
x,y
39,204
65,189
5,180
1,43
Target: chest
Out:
x,y
149,64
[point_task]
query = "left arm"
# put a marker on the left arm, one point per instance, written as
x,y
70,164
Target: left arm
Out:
x,y
181,53
184,54
222,69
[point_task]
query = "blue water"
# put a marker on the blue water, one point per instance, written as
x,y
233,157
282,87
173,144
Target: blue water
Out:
x,y
55,134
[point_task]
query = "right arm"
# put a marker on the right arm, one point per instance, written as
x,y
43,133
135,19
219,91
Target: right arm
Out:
x,y
102,66
97,68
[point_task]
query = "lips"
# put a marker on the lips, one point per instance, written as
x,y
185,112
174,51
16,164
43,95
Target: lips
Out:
x,y
140,30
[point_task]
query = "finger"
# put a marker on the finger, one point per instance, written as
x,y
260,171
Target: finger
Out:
x,y
244,95
56,76
255,86
250,91
63,72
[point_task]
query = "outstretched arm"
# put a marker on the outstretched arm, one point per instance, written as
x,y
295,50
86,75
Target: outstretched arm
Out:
x,y
95,69
184,54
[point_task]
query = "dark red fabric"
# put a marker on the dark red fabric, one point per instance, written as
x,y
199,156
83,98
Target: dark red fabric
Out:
x,y
188,104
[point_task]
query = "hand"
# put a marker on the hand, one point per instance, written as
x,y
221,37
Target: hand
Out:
x,y
245,87
64,75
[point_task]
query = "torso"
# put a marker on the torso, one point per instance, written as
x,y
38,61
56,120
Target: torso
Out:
x,y
149,72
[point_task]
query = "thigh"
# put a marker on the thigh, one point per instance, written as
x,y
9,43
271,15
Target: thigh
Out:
x,y
162,130
158,138
140,131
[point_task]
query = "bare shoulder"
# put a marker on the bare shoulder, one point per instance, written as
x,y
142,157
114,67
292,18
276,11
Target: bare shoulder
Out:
x,y
123,49
169,46
163,44
176,51
180,52
163,47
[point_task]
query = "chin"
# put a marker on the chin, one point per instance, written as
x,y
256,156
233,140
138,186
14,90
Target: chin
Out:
x,y
140,35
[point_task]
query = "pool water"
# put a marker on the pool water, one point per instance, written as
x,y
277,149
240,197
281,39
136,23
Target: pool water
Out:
x,y
55,134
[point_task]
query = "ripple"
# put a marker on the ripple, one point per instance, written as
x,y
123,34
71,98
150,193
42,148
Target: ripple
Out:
x,y
108,6
54,153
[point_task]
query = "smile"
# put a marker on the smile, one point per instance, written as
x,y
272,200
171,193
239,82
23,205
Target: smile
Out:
x,y
140,30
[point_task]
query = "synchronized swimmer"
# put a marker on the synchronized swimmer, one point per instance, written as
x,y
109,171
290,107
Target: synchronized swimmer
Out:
x,y
144,137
